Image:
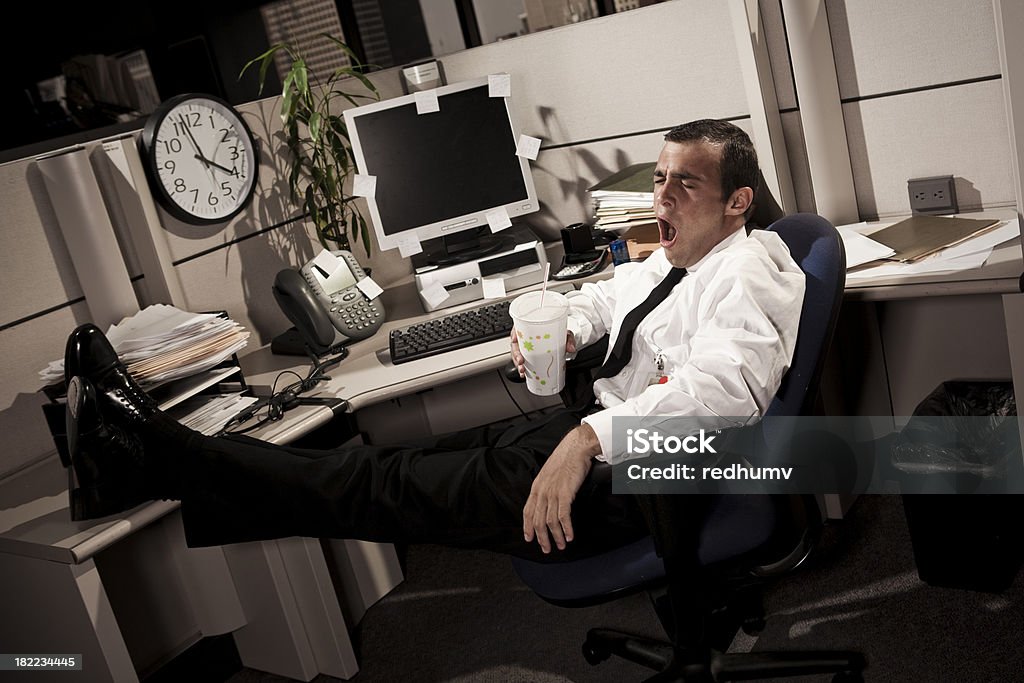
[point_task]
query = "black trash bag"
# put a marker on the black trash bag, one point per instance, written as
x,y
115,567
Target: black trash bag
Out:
x,y
961,436
938,440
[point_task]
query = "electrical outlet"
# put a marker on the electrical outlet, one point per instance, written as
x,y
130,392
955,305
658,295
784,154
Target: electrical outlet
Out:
x,y
934,195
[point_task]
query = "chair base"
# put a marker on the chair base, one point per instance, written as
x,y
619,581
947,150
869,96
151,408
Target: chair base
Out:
x,y
660,656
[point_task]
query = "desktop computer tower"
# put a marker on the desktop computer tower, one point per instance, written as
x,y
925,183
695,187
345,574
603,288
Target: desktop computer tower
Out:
x,y
520,261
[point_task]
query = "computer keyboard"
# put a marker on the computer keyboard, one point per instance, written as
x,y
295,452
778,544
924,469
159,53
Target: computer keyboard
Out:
x,y
451,332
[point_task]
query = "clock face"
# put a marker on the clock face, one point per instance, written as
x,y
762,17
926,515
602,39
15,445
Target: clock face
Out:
x,y
201,158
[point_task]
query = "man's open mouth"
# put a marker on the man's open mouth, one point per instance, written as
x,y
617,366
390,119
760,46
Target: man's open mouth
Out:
x,y
667,232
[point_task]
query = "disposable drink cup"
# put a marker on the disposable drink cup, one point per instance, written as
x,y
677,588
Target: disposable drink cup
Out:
x,y
541,334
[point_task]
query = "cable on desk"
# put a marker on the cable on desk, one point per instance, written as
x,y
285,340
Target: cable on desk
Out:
x,y
501,377
276,404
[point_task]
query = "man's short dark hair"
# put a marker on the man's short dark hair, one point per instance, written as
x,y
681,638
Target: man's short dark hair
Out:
x,y
739,160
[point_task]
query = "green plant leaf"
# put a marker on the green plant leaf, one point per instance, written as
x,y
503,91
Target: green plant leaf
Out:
x,y
301,76
341,44
264,60
348,71
317,142
314,126
365,231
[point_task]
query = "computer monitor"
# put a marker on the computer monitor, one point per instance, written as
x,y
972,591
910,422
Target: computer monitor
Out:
x,y
438,174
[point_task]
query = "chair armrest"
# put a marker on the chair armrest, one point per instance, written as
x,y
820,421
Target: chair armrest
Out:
x,y
577,371
588,358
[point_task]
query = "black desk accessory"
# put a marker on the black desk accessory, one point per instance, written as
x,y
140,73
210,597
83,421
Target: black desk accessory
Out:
x,y
581,258
572,269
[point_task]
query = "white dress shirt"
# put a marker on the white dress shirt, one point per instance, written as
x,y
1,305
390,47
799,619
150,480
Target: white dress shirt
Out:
x,y
725,334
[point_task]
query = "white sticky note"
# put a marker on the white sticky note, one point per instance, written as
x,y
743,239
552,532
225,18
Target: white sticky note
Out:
x,y
327,262
409,246
528,147
435,294
364,185
494,287
370,288
426,101
499,85
498,219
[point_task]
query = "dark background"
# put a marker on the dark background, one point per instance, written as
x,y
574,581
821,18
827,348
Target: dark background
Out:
x,y
192,46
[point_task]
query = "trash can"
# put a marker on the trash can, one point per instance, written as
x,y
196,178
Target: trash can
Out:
x,y
962,540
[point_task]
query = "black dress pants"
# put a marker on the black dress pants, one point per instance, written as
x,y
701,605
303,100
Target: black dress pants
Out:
x,y
466,489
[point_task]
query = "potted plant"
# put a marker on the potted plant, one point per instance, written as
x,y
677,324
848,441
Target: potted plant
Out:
x,y
322,157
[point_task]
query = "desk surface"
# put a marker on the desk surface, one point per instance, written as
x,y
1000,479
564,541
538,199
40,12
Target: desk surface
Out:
x,y
999,275
368,376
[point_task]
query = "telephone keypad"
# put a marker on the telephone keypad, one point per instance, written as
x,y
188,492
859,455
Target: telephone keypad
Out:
x,y
349,310
359,315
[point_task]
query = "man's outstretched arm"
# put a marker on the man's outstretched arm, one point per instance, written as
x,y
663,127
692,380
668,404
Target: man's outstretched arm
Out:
x,y
548,509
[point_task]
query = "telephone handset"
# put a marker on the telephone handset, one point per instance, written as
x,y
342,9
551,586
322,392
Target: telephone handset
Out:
x,y
327,309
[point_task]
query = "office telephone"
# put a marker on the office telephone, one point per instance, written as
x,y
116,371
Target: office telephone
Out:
x,y
328,309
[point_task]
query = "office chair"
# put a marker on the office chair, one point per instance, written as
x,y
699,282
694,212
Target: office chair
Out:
x,y
743,541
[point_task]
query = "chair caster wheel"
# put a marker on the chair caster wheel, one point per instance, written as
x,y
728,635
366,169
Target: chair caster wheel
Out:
x,y
595,653
848,677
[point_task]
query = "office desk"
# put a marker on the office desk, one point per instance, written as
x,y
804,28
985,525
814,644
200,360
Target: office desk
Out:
x,y
898,338
999,275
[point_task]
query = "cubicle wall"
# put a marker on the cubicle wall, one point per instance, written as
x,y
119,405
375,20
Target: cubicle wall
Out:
x,y
600,95
922,96
921,92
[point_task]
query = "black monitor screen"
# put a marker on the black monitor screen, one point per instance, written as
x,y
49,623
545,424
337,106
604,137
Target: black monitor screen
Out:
x,y
436,166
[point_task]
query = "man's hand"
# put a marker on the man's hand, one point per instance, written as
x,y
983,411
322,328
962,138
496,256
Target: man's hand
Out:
x,y
548,507
517,355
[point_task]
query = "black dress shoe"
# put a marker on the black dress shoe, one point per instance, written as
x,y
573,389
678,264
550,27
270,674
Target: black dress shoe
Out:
x,y
89,354
107,473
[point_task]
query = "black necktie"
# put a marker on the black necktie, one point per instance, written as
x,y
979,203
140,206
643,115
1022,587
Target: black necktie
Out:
x,y
622,351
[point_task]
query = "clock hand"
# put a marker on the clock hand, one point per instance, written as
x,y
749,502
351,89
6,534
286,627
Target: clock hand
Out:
x,y
195,145
192,138
208,162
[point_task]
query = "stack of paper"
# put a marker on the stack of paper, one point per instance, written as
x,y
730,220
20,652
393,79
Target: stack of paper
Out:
x,y
625,199
209,414
862,250
162,343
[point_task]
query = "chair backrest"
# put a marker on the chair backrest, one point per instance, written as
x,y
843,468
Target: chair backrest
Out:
x,y
817,248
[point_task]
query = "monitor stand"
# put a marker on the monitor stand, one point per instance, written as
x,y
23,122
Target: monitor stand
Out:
x,y
460,247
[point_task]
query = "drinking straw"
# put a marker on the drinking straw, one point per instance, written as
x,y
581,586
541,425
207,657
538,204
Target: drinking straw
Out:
x,y
544,287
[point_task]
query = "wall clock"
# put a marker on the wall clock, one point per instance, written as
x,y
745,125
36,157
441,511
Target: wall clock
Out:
x,y
200,158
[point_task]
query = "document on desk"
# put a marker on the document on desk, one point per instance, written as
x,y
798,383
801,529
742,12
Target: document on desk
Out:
x,y
207,414
861,249
968,254
919,236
